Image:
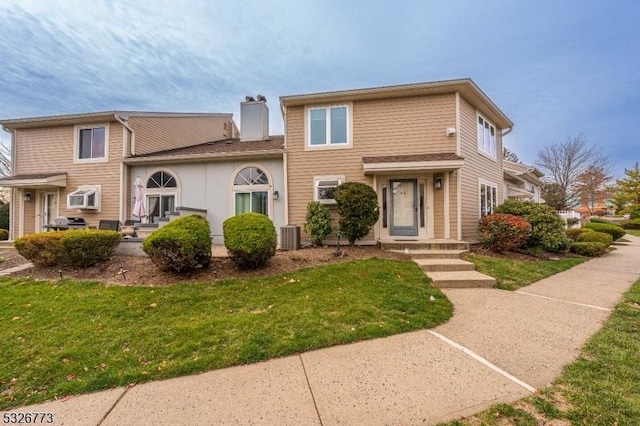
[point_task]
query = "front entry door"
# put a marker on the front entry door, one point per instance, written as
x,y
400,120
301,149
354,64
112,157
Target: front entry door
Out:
x,y
404,207
49,206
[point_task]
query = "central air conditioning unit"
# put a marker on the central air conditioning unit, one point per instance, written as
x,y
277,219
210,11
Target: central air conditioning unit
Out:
x,y
289,237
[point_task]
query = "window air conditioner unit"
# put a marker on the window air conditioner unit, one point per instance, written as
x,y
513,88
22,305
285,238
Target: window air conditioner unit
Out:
x,y
88,199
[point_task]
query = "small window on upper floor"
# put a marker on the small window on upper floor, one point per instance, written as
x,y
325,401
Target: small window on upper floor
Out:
x,y
328,126
91,143
486,136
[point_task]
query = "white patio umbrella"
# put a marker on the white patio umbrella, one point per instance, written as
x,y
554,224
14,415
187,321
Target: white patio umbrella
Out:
x,y
138,206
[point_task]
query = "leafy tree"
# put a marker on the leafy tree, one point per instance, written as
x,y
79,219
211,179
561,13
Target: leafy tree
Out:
x,y
358,208
509,155
628,191
553,195
591,184
563,162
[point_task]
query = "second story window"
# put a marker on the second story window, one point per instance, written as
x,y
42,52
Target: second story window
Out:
x,y
486,137
328,126
91,143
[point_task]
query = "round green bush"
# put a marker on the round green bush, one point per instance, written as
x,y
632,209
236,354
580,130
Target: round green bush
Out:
x,y
358,208
596,237
547,227
574,233
500,232
251,240
590,249
4,234
615,231
317,222
180,246
594,219
630,224
79,248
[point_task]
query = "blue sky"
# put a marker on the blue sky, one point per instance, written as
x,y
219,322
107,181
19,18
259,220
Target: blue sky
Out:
x,y
556,68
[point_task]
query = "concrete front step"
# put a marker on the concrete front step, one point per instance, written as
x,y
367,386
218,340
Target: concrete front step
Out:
x,y
429,245
461,279
432,254
443,265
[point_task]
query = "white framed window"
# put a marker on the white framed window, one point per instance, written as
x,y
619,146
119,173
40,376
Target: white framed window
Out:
x,y
488,198
251,188
324,187
486,136
161,195
329,126
85,197
91,143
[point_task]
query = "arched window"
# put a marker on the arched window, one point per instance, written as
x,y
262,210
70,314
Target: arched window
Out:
x,y
161,195
251,191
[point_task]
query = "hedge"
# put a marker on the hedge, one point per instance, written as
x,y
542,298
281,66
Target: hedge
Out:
x,y
596,237
251,240
590,249
615,231
574,233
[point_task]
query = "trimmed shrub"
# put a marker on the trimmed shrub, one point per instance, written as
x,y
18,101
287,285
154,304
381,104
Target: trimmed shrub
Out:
x,y
250,239
615,231
594,219
596,237
500,232
358,208
590,249
317,222
4,234
180,246
547,227
43,248
630,224
574,233
78,248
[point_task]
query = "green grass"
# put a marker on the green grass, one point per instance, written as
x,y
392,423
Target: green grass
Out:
x,y
511,274
635,232
601,388
73,337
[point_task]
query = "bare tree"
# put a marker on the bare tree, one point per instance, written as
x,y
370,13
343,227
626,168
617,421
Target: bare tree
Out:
x,y
509,155
563,162
5,160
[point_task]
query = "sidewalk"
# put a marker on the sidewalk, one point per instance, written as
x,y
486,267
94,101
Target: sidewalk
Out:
x,y
499,346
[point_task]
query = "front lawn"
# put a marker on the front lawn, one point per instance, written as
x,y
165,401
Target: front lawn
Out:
x,y
635,232
511,274
602,387
72,337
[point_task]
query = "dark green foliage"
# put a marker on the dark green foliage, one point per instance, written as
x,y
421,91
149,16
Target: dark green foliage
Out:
x,y
615,231
4,234
574,233
594,219
317,222
596,237
181,245
630,224
500,232
4,216
635,214
547,227
250,239
572,221
590,249
76,248
358,208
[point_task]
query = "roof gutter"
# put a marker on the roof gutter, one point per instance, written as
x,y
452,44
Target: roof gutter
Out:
x,y
506,132
132,148
202,157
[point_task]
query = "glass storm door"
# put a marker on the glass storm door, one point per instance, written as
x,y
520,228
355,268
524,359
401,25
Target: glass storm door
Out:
x,y
404,207
49,207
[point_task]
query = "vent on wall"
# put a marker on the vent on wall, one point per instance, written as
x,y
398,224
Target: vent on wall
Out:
x,y
290,237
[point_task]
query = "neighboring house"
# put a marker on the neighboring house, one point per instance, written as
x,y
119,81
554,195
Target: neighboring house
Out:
x,y
86,165
599,204
522,182
432,152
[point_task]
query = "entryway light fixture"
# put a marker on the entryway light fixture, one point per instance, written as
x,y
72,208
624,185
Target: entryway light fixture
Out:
x,y
438,183
276,195
27,196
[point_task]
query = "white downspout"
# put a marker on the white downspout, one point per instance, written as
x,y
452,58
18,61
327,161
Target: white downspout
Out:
x,y
12,197
122,121
283,110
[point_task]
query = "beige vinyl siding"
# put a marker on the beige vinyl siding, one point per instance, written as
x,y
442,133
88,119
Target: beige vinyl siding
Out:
x,y
476,166
51,149
412,125
161,133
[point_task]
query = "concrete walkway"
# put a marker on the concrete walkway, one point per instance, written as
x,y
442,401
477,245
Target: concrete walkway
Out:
x,y
499,346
